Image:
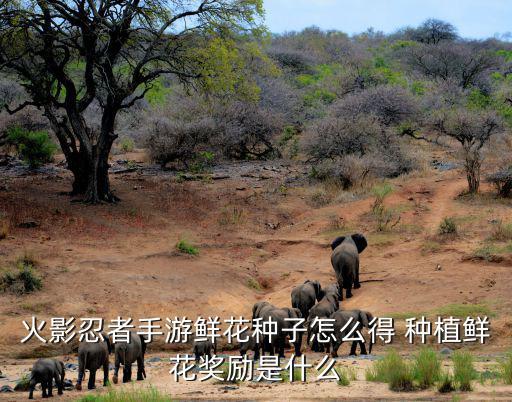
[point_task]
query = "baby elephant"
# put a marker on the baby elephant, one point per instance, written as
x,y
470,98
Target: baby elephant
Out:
x,y
127,353
44,372
251,344
204,348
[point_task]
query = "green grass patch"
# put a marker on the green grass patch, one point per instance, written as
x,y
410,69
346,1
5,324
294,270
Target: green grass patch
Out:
x,y
449,310
127,144
430,246
185,247
297,375
447,226
125,395
463,369
445,383
253,284
426,367
506,369
346,374
21,279
394,370
489,251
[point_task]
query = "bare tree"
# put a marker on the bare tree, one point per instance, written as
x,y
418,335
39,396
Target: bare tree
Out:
x,y
467,63
71,54
472,129
433,31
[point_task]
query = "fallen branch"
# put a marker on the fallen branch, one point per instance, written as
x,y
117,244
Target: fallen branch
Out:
x,y
372,280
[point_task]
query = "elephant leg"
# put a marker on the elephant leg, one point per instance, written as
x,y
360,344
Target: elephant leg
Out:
x,y
92,379
281,347
256,353
198,357
140,368
50,387
298,346
327,348
59,384
335,346
314,346
348,288
81,374
353,348
44,386
117,364
127,372
31,389
105,373
363,348
357,284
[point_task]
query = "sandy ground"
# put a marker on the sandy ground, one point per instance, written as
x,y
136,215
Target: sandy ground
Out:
x,y
257,224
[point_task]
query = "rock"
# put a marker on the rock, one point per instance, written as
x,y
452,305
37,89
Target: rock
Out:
x,y
439,267
22,384
5,389
229,388
68,384
154,359
446,351
28,224
71,366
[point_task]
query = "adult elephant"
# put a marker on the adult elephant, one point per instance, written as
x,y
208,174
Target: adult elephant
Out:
x,y
127,353
306,295
344,322
260,308
276,342
345,261
92,357
322,310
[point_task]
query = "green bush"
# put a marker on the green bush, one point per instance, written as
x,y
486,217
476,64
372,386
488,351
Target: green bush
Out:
x,y
34,147
127,144
506,369
345,377
445,383
394,370
463,369
448,226
184,246
23,279
134,395
427,367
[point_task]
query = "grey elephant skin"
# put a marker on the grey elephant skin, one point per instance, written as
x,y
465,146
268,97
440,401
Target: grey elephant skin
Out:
x,y
92,356
204,348
276,343
251,344
127,353
345,261
306,295
44,371
349,318
323,309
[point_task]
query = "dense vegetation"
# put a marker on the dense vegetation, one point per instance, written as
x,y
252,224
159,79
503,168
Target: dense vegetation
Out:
x,y
355,106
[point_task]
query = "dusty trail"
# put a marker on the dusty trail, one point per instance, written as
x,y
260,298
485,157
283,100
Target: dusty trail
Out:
x,y
122,261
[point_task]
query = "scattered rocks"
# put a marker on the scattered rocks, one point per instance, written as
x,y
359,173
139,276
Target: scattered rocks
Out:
x,y
6,389
446,351
28,225
154,359
227,388
71,366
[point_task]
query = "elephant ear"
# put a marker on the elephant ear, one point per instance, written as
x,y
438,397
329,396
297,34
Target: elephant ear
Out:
x,y
337,242
360,242
365,317
296,313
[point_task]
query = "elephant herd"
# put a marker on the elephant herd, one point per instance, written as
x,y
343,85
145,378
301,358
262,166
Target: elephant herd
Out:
x,y
92,357
309,301
313,303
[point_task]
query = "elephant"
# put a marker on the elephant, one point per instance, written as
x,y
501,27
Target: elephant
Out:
x,y
345,261
251,344
306,295
44,371
341,319
323,309
126,353
204,348
277,342
260,308
92,357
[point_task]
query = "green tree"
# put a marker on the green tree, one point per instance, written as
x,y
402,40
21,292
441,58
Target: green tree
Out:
x,y
74,56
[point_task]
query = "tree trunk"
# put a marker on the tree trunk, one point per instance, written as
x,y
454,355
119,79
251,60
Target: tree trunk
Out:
x,y
473,174
98,183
